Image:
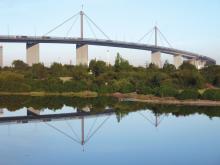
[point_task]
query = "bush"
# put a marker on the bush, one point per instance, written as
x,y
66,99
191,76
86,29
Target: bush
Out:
x,y
143,89
166,91
211,94
188,94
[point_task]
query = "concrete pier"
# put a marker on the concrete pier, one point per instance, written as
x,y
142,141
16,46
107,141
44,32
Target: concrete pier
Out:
x,y
199,64
156,59
33,53
178,61
82,55
1,56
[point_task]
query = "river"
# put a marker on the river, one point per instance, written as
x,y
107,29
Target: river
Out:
x,y
63,130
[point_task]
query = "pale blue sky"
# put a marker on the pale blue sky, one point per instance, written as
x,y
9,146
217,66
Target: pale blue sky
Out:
x,y
190,25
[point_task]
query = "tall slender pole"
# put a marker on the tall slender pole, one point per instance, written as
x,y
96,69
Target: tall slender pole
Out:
x,y
155,28
81,26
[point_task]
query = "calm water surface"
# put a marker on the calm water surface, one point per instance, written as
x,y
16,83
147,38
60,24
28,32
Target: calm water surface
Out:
x,y
104,131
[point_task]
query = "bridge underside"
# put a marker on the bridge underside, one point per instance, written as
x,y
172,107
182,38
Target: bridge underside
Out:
x,y
82,49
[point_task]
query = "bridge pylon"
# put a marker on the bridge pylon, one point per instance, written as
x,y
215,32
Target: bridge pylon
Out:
x,y
156,55
32,53
177,61
82,49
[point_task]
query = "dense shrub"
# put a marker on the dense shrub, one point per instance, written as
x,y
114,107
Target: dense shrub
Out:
x,y
144,89
211,94
188,94
166,91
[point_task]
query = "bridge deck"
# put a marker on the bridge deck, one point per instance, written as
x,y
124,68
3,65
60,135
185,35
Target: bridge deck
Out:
x,y
101,42
46,118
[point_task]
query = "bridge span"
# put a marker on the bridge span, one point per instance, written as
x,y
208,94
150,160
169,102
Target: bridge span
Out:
x,y
32,41
32,47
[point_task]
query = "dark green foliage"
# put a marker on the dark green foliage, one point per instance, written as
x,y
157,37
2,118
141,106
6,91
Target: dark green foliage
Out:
x,y
13,82
166,91
189,79
190,94
39,71
121,64
97,67
56,70
102,78
168,67
144,89
212,74
187,66
19,65
74,86
211,94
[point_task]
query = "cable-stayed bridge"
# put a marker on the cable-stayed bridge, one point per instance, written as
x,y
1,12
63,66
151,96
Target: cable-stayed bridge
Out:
x,y
32,45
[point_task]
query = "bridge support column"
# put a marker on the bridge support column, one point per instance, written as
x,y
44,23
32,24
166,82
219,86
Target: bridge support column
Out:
x,y
82,55
156,59
178,61
1,56
33,53
199,64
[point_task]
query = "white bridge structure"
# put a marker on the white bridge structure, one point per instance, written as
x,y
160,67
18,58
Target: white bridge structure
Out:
x,y
33,53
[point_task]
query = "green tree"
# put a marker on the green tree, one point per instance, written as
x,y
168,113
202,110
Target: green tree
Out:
x,y
39,71
56,70
13,82
19,65
169,68
187,66
98,67
121,64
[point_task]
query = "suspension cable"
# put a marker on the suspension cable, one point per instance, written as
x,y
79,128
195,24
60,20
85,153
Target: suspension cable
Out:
x,y
60,131
97,129
161,40
90,26
149,32
146,118
97,26
148,41
165,38
67,20
91,128
71,27
73,131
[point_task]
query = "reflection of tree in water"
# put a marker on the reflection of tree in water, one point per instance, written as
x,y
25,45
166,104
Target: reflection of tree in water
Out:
x,y
122,109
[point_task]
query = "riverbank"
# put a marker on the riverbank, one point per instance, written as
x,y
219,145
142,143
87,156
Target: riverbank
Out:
x,y
133,97
84,94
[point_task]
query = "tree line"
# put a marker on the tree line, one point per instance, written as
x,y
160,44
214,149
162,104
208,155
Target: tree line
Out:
x,y
185,82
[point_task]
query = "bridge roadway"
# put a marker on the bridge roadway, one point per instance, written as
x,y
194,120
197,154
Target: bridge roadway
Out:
x,y
101,42
52,117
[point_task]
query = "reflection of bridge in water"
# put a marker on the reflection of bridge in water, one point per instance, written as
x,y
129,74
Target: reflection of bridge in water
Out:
x,y
35,116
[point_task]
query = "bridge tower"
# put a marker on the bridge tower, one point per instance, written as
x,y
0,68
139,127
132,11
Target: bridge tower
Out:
x,y
81,49
156,55
177,61
32,53
1,56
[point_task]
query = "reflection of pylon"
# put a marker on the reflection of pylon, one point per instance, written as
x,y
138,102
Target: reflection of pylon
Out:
x,y
82,131
156,122
1,112
83,139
